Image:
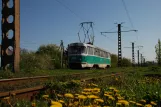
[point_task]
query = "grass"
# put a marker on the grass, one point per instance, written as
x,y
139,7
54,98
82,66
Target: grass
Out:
x,y
134,86
129,90
56,72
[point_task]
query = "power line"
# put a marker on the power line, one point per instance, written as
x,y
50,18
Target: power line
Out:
x,y
128,15
65,6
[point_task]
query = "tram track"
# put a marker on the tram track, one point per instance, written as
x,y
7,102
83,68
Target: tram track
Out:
x,y
27,82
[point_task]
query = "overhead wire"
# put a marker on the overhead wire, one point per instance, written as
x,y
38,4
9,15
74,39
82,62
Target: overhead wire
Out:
x,y
128,15
127,12
65,6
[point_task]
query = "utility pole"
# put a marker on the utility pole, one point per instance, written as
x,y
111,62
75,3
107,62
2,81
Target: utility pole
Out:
x,y
133,56
159,62
119,46
141,58
138,58
119,42
62,51
10,50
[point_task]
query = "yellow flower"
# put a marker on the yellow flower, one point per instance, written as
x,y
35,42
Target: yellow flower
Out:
x,y
57,104
116,91
138,104
153,103
132,102
82,97
92,96
116,79
108,92
107,95
76,103
123,102
112,88
61,101
120,98
99,100
87,89
86,93
96,89
45,96
111,98
143,101
118,104
69,95
94,85
59,95
148,105
33,104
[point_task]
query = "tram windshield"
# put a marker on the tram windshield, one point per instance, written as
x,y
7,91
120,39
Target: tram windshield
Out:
x,y
77,49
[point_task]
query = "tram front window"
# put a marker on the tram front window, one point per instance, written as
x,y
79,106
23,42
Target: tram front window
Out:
x,y
77,50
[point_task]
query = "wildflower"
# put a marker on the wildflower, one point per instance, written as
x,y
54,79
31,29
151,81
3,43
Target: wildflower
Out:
x,y
87,89
76,103
45,96
96,89
138,104
61,101
107,95
148,105
111,98
82,97
33,104
132,102
86,93
69,95
94,85
116,79
143,101
99,100
123,102
153,103
57,104
120,98
92,96
111,88
116,91
59,95
108,92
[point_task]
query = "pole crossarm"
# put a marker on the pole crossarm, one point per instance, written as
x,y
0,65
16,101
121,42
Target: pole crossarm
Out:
x,y
121,31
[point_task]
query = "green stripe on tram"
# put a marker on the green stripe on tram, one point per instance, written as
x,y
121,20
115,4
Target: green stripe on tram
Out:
x,y
89,59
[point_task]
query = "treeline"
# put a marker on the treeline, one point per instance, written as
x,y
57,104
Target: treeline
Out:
x,y
48,57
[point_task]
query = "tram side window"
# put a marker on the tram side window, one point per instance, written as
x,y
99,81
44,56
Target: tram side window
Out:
x,y
106,55
90,50
96,51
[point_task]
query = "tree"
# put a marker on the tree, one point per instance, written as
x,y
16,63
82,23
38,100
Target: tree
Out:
x,y
158,52
51,50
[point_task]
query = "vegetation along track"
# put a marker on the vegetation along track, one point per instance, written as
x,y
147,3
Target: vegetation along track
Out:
x,y
28,82
29,92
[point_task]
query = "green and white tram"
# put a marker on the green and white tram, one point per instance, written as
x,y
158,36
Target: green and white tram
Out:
x,y
82,55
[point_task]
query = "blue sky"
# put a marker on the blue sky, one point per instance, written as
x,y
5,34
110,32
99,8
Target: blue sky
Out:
x,y
48,21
